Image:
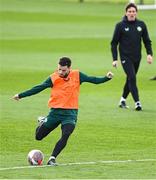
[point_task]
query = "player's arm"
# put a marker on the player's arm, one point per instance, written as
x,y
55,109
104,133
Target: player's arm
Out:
x,y
36,89
94,79
148,45
147,41
114,44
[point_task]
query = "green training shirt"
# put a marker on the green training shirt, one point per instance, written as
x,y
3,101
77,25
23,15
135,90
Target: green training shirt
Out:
x,y
48,84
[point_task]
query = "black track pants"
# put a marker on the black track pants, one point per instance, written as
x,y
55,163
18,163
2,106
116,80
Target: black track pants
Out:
x,y
131,69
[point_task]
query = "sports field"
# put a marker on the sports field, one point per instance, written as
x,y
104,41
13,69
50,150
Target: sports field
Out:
x,y
108,142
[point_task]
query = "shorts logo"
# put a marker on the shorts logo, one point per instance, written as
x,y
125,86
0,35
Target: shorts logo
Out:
x,y
139,28
126,28
123,62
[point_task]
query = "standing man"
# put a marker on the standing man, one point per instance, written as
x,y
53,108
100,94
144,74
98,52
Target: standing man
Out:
x,y
128,34
63,102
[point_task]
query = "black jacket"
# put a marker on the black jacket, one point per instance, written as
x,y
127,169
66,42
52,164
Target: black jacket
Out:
x,y
129,35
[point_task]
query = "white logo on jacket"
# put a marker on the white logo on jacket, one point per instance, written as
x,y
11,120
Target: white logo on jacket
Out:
x,y
139,28
126,28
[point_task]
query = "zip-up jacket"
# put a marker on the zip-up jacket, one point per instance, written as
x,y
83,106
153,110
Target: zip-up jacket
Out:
x,y
129,34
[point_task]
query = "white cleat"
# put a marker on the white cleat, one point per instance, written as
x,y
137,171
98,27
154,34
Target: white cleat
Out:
x,y
122,104
41,120
52,161
138,106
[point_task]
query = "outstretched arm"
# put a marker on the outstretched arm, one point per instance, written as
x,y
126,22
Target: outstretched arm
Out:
x,y
94,79
36,89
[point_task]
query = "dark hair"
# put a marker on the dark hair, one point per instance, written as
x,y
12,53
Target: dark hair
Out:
x,y
131,5
65,61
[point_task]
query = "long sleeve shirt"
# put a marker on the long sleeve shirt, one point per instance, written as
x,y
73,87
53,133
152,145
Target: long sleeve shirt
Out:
x,y
48,84
129,34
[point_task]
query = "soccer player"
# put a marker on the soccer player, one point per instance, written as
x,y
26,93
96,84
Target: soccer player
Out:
x,y
129,34
63,102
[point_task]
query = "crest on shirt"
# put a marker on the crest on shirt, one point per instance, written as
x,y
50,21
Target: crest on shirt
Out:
x,y
123,61
139,28
126,28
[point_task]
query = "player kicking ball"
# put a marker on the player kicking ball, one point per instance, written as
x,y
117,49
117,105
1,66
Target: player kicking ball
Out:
x,y
63,103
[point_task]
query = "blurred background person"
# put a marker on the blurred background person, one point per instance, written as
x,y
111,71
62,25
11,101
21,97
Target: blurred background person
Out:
x,y
129,34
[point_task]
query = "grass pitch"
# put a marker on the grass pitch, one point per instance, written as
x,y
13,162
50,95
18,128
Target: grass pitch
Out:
x,y
34,36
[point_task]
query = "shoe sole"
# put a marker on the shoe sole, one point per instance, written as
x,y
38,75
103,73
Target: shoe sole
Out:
x,y
138,109
124,107
52,164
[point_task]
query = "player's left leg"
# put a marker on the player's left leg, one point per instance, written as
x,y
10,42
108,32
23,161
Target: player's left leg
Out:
x,y
138,106
67,130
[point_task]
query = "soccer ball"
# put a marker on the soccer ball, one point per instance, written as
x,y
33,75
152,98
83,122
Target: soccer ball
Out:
x,y
35,157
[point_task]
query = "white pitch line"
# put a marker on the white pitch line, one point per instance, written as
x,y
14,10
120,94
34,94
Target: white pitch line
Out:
x,y
81,163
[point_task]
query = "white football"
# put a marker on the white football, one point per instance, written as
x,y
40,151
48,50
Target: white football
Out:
x,y
35,157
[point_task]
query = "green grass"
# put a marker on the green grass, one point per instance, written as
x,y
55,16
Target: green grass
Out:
x,y
33,37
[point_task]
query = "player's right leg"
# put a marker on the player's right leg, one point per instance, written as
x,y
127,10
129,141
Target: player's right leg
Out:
x,y
122,102
42,131
46,125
